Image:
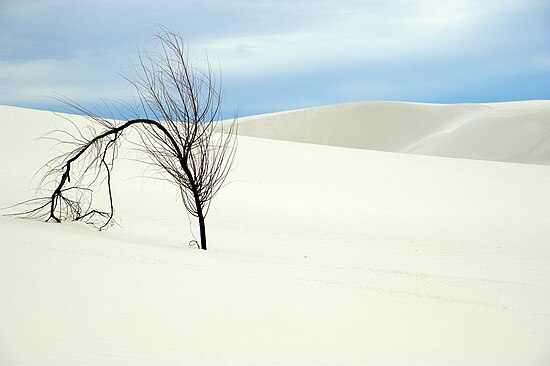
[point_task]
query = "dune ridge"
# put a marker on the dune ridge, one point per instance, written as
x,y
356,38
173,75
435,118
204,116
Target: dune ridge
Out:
x,y
516,132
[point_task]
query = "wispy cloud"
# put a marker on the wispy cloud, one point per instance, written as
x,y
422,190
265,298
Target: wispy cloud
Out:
x,y
298,53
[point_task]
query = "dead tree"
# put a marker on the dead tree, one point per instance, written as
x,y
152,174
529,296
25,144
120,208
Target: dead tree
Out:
x,y
176,118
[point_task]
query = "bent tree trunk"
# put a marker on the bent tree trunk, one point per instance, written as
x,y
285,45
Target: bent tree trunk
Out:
x,y
114,133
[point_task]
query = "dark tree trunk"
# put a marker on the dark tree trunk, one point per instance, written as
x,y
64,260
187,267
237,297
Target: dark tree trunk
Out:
x,y
202,227
198,204
200,213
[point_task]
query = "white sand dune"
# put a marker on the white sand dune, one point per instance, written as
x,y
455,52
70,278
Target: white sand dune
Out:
x,y
319,255
514,131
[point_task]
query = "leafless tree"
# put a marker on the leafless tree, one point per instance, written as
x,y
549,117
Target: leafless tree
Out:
x,y
176,117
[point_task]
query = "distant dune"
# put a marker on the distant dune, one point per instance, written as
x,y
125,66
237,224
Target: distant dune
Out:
x,y
513,131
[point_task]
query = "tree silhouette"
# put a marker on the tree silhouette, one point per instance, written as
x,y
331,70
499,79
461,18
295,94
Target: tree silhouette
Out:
x,y
176,118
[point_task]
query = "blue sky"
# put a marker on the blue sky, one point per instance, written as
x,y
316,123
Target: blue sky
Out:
x,y
284,54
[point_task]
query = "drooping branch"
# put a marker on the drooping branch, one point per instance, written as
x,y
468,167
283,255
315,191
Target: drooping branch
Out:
x,y
113,133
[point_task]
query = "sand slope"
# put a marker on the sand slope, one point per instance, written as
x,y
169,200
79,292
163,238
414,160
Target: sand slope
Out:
x,y
320,255
513,132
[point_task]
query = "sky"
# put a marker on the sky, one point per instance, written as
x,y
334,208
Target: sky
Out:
x,y
285,54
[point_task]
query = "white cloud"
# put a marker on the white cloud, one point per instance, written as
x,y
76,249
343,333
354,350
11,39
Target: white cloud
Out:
x,y
358,34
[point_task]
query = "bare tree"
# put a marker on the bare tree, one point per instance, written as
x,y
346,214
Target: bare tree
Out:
x,y
176,117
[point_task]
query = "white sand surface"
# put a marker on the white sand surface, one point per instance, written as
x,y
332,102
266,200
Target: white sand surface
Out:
x,y
319,255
